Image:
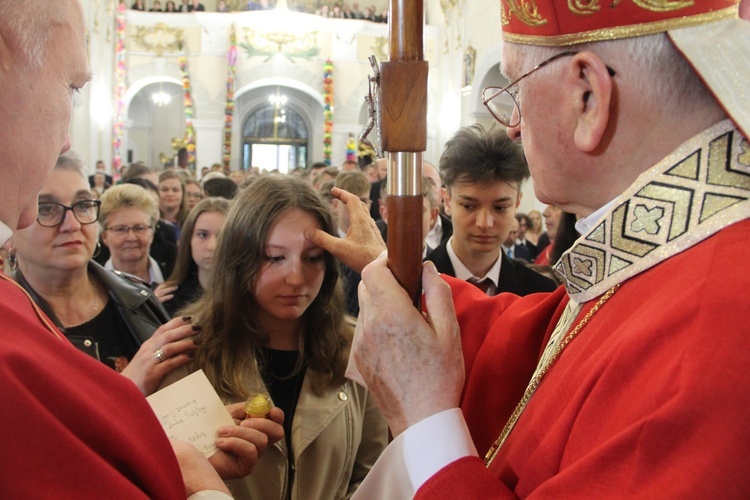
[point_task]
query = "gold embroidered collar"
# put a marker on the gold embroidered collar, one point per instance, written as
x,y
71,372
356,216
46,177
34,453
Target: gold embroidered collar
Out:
x,y
702,187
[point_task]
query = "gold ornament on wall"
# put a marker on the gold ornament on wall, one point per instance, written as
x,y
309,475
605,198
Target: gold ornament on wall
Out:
x,y
159,38
304,46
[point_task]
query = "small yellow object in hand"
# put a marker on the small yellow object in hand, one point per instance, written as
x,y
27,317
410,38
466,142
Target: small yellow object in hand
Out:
x,y
257,405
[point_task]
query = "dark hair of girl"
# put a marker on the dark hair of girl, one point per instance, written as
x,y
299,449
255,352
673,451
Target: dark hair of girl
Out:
x,y
226,312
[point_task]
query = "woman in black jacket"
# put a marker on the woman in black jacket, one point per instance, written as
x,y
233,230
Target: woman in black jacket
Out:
x,y
112,317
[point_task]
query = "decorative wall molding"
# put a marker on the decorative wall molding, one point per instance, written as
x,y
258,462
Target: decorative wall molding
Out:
x,y
159,39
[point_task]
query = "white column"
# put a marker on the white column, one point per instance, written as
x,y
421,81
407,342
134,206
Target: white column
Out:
x,y
209,142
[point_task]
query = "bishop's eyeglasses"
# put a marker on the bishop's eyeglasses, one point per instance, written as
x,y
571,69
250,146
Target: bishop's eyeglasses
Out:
x,y
52,214
492,96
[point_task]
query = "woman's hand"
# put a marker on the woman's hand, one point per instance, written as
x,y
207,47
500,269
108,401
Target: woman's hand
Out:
x,y
170,347
243,444
165,291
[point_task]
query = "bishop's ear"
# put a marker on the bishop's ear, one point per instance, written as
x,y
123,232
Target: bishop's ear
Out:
x,y
593,87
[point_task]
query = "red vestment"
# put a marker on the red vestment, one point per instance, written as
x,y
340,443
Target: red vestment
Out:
x,y
650,400
71,426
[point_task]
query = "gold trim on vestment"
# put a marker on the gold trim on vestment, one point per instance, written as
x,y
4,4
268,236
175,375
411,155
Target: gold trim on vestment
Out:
x,y
619,32
699,189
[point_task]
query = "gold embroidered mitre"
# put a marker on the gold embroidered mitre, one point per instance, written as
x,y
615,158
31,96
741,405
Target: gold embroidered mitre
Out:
x,y
568,22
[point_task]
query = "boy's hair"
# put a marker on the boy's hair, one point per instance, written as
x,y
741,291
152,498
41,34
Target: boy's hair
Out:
x,y
478,156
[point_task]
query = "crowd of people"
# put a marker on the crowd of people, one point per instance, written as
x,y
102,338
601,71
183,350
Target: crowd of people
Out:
x,y
335,10
169,6
627,380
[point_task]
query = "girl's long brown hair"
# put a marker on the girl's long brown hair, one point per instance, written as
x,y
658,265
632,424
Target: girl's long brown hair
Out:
x,y
231,351
184,262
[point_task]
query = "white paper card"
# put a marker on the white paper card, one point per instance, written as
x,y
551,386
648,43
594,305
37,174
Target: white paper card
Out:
x,y
190,410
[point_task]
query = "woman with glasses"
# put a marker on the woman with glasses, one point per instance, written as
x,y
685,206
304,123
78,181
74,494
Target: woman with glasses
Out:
x,y
193,193
107,315
128,216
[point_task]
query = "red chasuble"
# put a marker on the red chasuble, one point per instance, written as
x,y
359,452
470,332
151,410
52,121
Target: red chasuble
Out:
x,y
71,427
650,400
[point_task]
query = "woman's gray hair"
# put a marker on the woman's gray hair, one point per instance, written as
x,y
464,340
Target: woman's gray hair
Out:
x,y
127,195
72,161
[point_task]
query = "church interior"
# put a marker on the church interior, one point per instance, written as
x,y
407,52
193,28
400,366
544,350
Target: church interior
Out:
x,y
278,87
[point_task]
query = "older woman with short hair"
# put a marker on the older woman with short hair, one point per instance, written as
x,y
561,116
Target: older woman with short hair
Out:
x,y
106,315
128,217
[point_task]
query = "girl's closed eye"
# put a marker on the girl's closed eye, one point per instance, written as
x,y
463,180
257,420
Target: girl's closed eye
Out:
x,y
315,257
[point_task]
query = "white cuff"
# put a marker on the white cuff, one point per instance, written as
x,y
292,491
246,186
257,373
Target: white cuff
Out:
x,y
209,495
416,455
433,443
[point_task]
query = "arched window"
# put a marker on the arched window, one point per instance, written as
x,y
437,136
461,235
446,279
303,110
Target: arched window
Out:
x,y
275,137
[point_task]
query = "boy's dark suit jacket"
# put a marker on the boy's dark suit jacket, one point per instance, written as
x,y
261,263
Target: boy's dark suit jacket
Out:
x,y
514,276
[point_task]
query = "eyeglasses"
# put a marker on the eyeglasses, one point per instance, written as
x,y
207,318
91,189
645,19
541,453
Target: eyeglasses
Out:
x,y
122,231
52,214
499,111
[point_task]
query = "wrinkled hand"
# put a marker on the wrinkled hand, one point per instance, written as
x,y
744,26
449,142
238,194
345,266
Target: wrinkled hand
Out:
x,y
243,444
165,291
197,473
363,242
177,341
412,363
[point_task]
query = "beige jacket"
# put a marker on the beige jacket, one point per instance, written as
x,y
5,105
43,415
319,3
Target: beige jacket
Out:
x,y
335,439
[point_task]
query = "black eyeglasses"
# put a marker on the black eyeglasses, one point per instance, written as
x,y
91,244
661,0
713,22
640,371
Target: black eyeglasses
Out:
x,y
499,111
52,214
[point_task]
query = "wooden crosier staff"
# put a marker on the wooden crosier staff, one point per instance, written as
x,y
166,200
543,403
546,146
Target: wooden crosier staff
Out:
x,y
403,121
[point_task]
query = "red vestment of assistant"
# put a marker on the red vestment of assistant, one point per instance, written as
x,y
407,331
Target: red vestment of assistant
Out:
x,y
71,426
651,399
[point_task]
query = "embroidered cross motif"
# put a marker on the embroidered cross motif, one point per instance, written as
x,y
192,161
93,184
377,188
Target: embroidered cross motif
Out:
x,y
582,267
646,220
707,187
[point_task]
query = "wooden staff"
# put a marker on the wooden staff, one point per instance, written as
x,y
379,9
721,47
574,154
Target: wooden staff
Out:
x,y
403,104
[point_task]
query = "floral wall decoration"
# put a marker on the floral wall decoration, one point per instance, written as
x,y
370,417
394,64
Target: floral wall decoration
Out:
x,y
351,148
327,110
189,130
118,125
229,106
